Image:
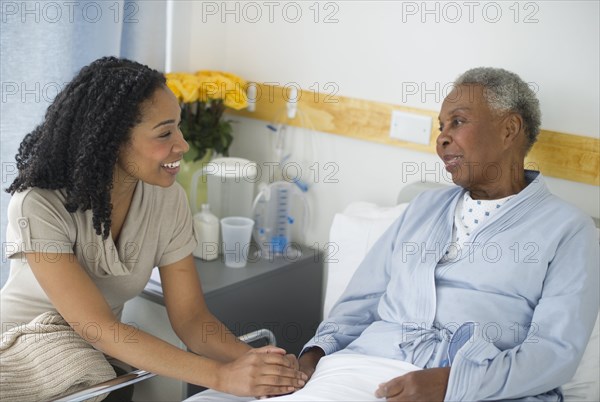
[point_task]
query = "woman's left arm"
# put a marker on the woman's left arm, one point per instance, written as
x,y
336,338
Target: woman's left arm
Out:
x,y
190,318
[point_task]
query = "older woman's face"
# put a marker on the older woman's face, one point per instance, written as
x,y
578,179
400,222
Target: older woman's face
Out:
x,y
157,145
470,143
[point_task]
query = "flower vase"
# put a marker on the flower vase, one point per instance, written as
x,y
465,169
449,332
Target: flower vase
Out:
x,y
189,166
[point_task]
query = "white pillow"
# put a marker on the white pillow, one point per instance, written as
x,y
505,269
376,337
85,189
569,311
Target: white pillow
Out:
x,y
585,386
351,236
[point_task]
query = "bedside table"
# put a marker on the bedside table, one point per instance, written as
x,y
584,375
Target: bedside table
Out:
x,y
282,294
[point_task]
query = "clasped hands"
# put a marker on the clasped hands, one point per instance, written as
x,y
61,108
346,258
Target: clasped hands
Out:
x,y
269,371
266,371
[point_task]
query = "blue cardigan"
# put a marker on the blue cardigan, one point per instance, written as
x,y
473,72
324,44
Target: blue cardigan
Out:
x,y
511,314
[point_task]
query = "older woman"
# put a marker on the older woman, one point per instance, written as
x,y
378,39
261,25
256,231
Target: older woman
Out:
x,y
490,286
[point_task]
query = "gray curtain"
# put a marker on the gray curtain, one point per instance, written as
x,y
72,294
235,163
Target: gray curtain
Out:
x,y
43,45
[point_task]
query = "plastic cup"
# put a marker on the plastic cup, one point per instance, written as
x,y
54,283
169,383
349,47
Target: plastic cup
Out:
x,y
236,232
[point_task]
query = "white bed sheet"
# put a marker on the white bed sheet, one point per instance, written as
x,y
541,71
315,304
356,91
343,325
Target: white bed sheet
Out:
x,y
338,377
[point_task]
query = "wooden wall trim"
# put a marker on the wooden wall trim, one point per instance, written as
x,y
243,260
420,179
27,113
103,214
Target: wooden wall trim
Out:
x,y
566,156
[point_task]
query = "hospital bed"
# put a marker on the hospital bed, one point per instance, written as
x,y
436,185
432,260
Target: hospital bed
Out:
x,y
354,231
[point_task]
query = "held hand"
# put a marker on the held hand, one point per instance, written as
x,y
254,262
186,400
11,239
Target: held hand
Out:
x,y
260,372
422,385
291,358
309,359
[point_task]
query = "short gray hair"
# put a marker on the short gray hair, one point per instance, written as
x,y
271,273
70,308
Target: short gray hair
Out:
x,y
506,91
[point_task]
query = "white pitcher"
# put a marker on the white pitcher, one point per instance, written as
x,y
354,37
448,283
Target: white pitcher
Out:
x,y
230,186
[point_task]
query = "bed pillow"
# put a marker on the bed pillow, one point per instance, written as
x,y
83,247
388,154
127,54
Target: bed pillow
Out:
x,y
353,233
584,385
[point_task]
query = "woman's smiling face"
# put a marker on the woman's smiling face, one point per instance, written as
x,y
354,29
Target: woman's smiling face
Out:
x,y
157,145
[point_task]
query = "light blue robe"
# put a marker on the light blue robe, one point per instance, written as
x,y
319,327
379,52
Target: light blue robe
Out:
x,y
512,314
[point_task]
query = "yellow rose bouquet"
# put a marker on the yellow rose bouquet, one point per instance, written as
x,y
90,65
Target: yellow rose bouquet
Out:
x,y
204,96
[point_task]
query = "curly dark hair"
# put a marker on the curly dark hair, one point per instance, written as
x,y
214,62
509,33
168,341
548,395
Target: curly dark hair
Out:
x,y
75,148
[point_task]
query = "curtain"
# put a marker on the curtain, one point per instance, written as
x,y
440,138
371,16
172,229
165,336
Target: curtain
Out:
x,y
43,44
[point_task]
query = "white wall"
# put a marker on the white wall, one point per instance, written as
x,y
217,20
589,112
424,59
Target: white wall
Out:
x,y
399,53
